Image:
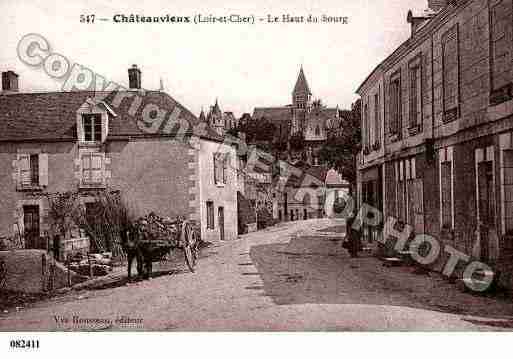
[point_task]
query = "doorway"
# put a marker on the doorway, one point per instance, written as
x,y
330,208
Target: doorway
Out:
x,y
221,223
31,226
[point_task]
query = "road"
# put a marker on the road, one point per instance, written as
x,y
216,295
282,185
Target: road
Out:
x,y
294,277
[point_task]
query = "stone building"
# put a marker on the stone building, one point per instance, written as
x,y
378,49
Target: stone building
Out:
x,y
97,141
437,122
220,121
307,118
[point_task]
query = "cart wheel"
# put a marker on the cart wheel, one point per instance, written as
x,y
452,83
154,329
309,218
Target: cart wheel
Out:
x,y
189,258
189,245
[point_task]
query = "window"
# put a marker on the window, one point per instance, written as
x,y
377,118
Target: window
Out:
x,y
92,127
415,93
395,103
501,38
446,188
210,215
377,120
317,131
450,64
29,170
221,161
92,168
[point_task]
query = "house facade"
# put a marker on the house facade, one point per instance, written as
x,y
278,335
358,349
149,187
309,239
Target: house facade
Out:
x,y
437,128
86,142
306,192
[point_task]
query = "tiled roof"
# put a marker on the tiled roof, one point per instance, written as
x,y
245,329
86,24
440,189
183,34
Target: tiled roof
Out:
x,y
52,115
309,175
273,113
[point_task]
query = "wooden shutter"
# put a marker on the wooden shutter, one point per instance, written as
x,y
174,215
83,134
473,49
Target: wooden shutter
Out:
x,y
226,159
97,168
450,70
80,128
43,169
214,157
24,169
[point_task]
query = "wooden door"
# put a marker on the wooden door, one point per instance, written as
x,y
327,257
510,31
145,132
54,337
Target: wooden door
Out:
x,y
416,205
221,223
31,226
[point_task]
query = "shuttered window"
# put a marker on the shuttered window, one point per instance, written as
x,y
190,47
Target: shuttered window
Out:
x,y
415,91
395,104
501,42
377,119
221,161
366,127
92,168
210,215
450,58
33,170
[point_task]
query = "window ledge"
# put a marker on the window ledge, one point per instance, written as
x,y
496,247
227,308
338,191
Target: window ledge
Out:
x,y
451,115
501,95
94,144
29,188
414,130
92,186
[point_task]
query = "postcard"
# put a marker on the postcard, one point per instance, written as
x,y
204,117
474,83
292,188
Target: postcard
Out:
x,y
262,167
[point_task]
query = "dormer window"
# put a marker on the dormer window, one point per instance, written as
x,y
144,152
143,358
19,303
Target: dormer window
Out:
x,y
92,127
93,122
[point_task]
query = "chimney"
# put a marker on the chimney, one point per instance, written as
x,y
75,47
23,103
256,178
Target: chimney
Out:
x,y
134,77
9,81
437,5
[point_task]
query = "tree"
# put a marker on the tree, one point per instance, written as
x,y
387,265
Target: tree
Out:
x,y
297,142
340,151
257,130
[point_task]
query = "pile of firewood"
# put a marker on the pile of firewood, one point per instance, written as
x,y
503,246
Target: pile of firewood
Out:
x,y
159,229
96,265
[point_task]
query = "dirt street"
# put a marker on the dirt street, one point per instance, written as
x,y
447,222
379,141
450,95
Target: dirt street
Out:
x,y
292,277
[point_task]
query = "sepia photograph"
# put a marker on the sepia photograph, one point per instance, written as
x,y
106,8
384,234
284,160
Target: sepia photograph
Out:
x,y
255,167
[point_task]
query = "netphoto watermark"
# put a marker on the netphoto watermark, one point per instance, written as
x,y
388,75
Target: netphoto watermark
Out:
x,y
423,248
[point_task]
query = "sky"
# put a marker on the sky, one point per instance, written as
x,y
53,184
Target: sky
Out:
x,y
242,65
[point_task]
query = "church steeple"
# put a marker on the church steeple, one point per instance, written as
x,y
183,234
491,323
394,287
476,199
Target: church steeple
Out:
x,y
202,117
301,83
301,96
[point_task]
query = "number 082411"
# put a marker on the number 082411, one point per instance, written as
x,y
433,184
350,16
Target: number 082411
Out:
x,y
24,344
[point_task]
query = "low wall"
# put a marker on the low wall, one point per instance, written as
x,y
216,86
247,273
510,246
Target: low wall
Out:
x,y
33,271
